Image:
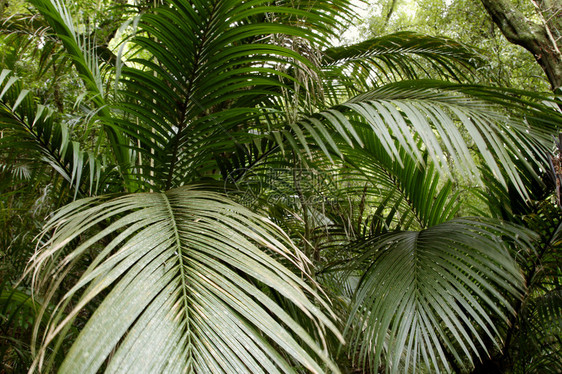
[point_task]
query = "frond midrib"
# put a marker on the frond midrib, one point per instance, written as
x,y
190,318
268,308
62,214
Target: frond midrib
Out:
x,y
189,93
183,276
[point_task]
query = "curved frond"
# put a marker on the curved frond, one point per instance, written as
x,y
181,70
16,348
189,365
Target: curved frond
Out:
x,y
78,48
29,127
398,56
431,297
456,124
413,187
211,63
182,275
82,51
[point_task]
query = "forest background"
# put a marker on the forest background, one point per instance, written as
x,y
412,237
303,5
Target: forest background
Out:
x,y
306,183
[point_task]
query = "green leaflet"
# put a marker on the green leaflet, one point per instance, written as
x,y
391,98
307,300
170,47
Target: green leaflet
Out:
x,y
431,291
181,270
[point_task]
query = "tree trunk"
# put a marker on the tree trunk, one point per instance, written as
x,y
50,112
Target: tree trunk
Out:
x,y
541,39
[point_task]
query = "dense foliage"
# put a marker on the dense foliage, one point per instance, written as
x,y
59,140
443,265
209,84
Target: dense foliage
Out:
x,y
507,64
212,186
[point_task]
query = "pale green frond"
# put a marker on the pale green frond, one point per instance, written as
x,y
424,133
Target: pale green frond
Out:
x,y
434,294
183,273
456,125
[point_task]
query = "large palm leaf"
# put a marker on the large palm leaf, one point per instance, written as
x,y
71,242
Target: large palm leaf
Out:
x,y
205,80
440,294
449,119
426,298
186,272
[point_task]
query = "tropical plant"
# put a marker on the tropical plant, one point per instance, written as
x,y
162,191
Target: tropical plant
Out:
x,y
466,20
237,195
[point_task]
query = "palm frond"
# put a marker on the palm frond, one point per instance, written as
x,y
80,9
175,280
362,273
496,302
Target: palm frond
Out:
x,y
198,92
539,342
79,48
82,50
434,295
31,127
398,56
442,116
412,186
184,270
22,34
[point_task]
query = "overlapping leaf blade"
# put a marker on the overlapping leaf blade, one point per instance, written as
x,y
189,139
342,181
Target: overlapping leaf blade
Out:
x,y
29,127
82,52
398,56
442,116
184,270
432,294
211,66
